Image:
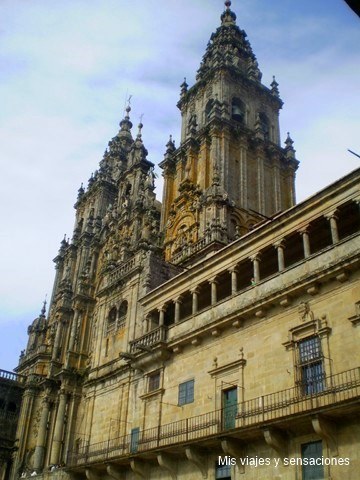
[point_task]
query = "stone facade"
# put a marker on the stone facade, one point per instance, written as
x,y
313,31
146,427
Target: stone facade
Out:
x,y
11,389
220,325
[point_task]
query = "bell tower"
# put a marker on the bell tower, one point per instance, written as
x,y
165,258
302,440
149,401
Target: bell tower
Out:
x,y
230,171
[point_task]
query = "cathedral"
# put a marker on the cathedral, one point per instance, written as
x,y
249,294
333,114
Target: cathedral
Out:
x,y
214,335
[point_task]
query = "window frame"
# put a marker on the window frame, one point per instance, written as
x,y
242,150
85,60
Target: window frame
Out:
x,y
310,365
222,472
186,392
308,470
111,320
154,381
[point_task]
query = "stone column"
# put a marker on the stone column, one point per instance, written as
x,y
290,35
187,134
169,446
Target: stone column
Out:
x,y
233,273
59,429
357,201
243,177
277,184
161,316
256,265
39,453
73,330
306,241
280,246
24,425
195,300
177,309
213,284
94,258
55,353
332,217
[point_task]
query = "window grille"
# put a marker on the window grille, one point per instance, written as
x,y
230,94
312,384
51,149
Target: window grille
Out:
x,y
311,366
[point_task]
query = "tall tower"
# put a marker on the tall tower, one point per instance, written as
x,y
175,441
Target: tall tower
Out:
x,y
100,274
229,171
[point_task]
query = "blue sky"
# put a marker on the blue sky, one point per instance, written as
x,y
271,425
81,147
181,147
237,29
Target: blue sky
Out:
x,y
66,68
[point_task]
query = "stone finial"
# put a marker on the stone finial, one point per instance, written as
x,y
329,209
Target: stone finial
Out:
x,y
184,88
91,180
289,141
140,126
81,191
43,310
170,146
275,87
289,149
228,17
126,124
63,245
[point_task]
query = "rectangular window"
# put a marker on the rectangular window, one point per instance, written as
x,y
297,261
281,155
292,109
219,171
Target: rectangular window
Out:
x,y
229,403
186,392
222,472
154,381
310,452
134,440
311,366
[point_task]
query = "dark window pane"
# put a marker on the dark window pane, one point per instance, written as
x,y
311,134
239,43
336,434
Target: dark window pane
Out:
x,y
186,392
309,453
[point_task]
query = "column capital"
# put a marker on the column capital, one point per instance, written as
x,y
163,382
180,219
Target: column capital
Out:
x,y
304,230
332,214
213,280
195,290
256,257
280,243
233,269
63,392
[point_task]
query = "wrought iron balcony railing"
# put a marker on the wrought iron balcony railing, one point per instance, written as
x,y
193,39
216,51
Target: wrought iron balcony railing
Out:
x,y
342,387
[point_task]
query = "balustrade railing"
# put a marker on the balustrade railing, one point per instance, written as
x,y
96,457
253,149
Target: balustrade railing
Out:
x,y
151,338
11,376
337,388
121,271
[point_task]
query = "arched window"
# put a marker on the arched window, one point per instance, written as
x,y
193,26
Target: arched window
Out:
x,y
122,313
111,320
238,110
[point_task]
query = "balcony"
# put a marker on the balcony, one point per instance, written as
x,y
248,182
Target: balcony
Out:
x,y
342,388
12,377
119,273
150,339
